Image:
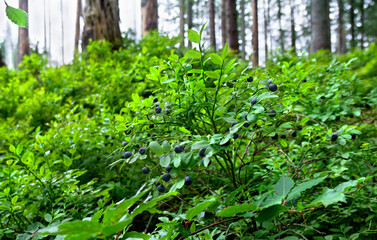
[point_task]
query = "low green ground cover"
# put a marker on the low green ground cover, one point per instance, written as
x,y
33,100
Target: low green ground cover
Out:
x,y
156,142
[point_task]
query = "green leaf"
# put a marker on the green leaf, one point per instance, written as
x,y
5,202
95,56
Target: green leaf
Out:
x,y
193,212
12,149
271,213
19,149
85,229
202,28
14,199
136,235
225,51
304,186
304,120
283,186
165,161
182,129
155,148
113,215
233,210
193,53
67,160
193,36
166,146
283,142
17,16
331,196
154,71
216,59
200,144
212,74
48,217
149,205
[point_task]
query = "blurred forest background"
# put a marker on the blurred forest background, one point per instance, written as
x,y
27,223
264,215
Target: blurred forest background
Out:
x,y
57,28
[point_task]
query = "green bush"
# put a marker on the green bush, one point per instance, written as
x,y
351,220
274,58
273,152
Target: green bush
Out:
x,y
210,158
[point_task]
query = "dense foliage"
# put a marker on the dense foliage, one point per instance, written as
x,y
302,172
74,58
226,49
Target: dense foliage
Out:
x,y
152,142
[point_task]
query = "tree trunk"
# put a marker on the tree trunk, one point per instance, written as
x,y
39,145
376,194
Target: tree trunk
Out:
x,y
223,23
243,29
182,22
281,31
265,30
341,38
77,32
212,31
362,18
293,31
269,22
254,8
101,21
23,35
189,18
320,24
232,25
2,63
149,12
352,22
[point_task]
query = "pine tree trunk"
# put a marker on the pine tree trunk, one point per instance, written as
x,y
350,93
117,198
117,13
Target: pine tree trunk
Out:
x,y
223,23
212,31
352,22
320,24
265,30
101,21
149,12
254,8
189,18
293,31
281,31
23,35
232,25
341,38
77,31
182,22
243,29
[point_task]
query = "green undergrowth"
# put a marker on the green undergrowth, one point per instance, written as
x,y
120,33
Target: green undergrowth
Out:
x,y
155,142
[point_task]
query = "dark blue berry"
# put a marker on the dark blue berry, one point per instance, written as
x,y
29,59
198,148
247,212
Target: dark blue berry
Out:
x,y
127,155
142,150
253,101
166,177
272,87
168,168
158,109
161,188
178,149
334,137
188,180
202,152
235,135
145,170
272,113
